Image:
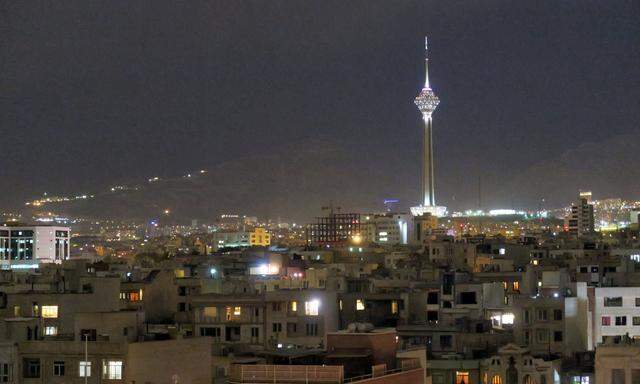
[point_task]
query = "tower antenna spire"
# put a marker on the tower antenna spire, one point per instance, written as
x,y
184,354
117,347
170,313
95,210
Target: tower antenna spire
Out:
x,y
426,62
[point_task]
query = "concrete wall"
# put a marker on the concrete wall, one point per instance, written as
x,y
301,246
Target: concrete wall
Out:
x,y
164,362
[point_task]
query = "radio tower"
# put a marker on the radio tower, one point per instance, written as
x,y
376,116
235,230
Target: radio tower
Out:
x,y
427,102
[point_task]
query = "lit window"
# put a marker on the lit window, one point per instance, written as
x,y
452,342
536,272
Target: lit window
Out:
x,y
462,377
359,305
112,369
516,286
211,312
50,311
508,318
294,306
237,311
394,307
497,379
311,307
85,369
50,330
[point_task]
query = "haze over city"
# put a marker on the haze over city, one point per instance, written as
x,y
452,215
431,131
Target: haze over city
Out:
x,y
292,105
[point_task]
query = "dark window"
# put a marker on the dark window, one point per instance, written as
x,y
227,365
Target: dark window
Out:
x,y
557,336
58,368
31,368
255,332
210,331
447,304
584,270
613,301
182,291
557,314
637,301
621,320
594,269
432,298
312,329
182,307
276,327
446,341
468,298
90,333
432,315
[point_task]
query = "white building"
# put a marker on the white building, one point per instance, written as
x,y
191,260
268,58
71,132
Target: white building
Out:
x,y
616,312
28,246
388,228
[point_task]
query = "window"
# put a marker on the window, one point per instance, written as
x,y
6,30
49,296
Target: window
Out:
x,y
237,311
528,380
182,307
557,336
606,320
497,379
446,341
584,270
312,329
85,369
394,307
112,369
359,305
468,298
50,330
292,328
613,301
516,286
542,314
637,301
58,368
432,298
276,307
5,375
311,307
594,269
88,334
211,312
50,311
210,331
527,337
276,327
621,320
617,376
557,314
294,306
255,332
526,317
542,335
462,377
636,320
31,368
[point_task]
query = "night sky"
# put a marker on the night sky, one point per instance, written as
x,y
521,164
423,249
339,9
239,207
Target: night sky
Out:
x,y
538,98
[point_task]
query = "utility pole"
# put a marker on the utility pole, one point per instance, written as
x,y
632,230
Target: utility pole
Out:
x,y
86,356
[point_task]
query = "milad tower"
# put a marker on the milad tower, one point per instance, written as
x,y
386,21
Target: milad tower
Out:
x,y
427,101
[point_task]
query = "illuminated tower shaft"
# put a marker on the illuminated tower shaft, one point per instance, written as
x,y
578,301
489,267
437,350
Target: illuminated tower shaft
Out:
x,y
427,102
428,190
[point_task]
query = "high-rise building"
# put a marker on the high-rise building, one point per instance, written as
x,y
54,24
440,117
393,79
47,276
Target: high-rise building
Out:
x,y
579,221
427,101
335,229
27,246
